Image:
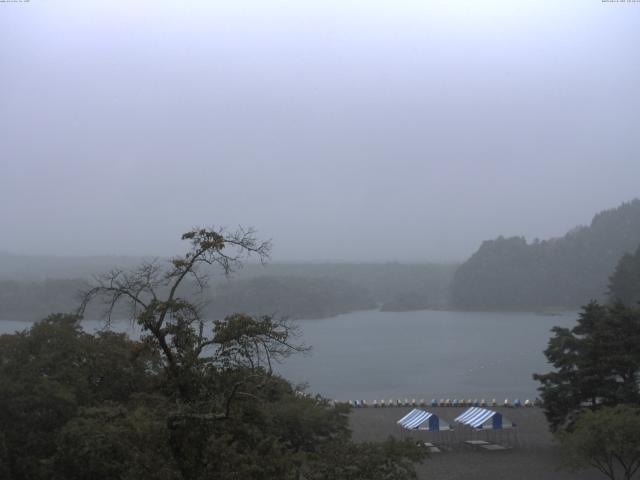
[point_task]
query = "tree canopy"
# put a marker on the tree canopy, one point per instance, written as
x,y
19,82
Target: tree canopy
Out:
x,y
607,440
624,283
192,399
597,363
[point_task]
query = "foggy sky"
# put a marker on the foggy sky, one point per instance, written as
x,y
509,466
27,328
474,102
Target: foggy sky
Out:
x,y
343,130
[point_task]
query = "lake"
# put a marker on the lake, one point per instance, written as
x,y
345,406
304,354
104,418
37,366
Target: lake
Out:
x,y
426,354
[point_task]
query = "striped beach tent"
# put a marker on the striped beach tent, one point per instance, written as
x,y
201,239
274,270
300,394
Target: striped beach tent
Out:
x,y
418,419
481,418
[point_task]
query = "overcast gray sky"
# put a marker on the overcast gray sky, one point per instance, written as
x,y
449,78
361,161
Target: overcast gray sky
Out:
x,y
343,130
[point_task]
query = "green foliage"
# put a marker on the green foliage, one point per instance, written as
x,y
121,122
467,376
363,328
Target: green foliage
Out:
x,y
48,372
75,406
111,441
607,439
189,401
509,273
596,363
624,283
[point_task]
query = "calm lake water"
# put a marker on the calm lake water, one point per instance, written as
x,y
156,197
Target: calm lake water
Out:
x,y
426,354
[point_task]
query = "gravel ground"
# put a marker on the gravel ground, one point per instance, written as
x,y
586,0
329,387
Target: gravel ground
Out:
x,y
534,455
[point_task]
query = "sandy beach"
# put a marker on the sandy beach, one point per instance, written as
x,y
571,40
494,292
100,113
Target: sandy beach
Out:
x,y
534,455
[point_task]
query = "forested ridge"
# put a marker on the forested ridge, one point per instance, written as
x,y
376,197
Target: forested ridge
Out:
x,y
566,272
289,296
295,290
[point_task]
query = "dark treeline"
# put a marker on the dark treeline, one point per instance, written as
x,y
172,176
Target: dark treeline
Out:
x,y
624,284
509,273
332,288
35,300
288,296
294,290
384,281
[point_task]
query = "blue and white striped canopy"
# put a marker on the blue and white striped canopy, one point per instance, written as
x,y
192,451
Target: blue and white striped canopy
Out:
x,y
477,417
418,419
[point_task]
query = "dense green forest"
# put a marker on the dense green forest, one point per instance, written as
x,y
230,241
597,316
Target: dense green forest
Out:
x,y
189,400
75,406
509,273
624,283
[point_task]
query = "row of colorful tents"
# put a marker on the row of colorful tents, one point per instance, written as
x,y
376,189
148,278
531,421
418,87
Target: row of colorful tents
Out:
x,y
475,417
440,403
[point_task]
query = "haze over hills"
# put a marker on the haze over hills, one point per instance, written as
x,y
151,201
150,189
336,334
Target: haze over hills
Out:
x,y
33,268
32,287
566,272
505,273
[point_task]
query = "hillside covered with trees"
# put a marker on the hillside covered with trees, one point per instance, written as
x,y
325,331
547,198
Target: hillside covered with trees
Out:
x,y
566,272
295,290
624,283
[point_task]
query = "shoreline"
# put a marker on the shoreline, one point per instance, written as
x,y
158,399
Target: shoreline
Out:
x,y
541,311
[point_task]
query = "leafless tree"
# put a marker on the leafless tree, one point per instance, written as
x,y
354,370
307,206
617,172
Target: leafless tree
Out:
x,y
175,326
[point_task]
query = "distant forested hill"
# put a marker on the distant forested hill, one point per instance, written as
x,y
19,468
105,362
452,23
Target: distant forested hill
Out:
x,y
36,268
36,300
393,284
509,273
288,296
33,287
